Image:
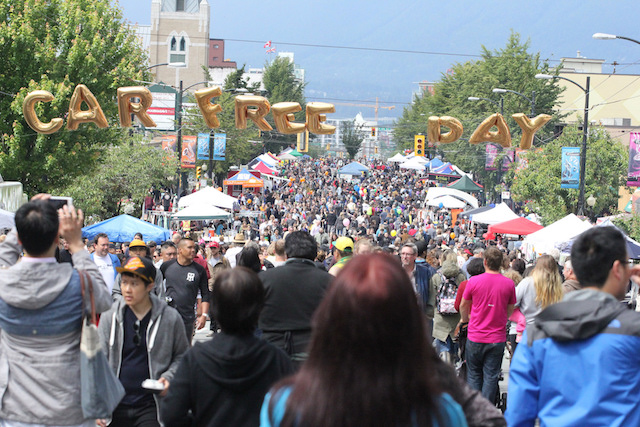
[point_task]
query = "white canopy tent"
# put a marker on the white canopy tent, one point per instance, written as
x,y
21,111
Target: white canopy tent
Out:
x,y
422,160
268,160
201,212
448,202
208,196
398,158
500,213
445,191
553,235
414,164
286,156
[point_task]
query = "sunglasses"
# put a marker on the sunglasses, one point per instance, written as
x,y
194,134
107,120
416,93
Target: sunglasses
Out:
x,y
137,338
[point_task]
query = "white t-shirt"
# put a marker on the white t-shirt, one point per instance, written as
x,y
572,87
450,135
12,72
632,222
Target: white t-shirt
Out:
x,y
105,265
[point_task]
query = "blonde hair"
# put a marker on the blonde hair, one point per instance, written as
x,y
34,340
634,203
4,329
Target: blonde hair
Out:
x,y
547,281
513,275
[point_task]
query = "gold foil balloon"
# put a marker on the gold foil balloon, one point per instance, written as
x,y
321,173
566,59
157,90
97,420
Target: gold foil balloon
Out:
x,y
30,116
259,109
126,107
283,117
483,133
434,129
209,111
529,127
77,115
316,115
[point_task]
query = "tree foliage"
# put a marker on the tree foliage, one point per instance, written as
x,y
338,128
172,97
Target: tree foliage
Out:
x,y
352,136
511,67
55,45
281,85
538,184
125,172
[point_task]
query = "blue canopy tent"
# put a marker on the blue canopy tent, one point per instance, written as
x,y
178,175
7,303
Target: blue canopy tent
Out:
x,y
122,228
435,163
353,168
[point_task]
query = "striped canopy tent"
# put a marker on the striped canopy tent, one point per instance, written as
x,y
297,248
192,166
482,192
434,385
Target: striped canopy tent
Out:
x,y
244,178
263,168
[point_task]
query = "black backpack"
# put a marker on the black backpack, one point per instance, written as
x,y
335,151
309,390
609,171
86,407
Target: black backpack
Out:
x,y
446,296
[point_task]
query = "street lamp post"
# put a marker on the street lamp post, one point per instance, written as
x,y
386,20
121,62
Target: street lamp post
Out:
x,y
179,130
585,133
532,100
604,36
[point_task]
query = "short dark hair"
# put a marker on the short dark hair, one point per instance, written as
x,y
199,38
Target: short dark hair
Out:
x,y
300,244
167,244
518,265
37,224
99,235
475,267
493,258
237,298
594,252
249,258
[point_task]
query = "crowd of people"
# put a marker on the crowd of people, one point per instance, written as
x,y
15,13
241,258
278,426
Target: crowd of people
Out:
x,y
339,304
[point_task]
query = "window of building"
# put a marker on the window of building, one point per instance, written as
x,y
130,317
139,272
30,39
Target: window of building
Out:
x,y
173,44
179,5
178,49
215,46
215,58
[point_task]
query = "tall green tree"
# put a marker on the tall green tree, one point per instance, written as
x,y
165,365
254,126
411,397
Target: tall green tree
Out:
x,y
55,45
126,172
352,135
538,184
281,85
512,67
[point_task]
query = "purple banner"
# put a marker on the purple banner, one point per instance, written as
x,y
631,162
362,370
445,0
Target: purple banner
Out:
x,y
633,175
490,159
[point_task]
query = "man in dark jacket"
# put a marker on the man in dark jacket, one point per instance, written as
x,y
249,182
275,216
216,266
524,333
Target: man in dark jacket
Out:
x,y
293,291
420,275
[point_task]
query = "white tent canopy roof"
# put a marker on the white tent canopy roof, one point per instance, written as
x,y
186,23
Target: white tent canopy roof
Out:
x,y
208,196
268,160
286,156
445,191
398,158
414,164
563,230
500,213
448,202
200,212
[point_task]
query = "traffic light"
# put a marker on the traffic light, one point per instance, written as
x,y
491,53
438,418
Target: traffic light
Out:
x,y
198,173
373,132
418,145
303,142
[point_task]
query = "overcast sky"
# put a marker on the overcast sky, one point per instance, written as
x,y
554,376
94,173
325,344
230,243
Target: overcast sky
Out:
x,y
438,34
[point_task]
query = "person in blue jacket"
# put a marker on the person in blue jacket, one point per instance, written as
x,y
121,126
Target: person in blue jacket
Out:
x,y
577,364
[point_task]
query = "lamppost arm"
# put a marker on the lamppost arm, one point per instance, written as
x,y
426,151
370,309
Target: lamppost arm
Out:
x,y
604,36
532,100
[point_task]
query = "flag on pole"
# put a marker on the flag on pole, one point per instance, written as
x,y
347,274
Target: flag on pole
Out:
x,y
272,50
267,44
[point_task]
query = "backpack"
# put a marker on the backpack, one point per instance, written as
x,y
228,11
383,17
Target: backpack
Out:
x,y
446,296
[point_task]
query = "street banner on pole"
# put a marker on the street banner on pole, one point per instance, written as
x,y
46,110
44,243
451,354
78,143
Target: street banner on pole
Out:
x,y
633,176
189,151
169,145
203,146
570,177
490,159
219,146
508,159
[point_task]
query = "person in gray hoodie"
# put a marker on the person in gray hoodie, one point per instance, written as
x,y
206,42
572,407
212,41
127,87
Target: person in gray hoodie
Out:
x,y
40,317
144,339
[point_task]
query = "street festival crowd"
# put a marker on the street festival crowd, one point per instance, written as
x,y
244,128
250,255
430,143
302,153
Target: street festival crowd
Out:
x,y
340,303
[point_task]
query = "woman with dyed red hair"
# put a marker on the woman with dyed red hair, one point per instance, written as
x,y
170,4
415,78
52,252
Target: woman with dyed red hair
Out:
x,y
369,362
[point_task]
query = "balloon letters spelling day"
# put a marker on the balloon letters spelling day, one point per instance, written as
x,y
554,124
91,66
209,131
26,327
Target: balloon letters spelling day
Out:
x,y
255,108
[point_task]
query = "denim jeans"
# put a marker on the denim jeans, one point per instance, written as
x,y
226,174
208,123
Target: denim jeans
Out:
x,y
483,367
447,346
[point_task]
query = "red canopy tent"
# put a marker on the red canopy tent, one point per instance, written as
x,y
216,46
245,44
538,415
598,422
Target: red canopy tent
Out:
x,y
262,168
520,226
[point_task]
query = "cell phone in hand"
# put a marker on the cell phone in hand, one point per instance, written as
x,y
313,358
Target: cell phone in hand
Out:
x,y
58,202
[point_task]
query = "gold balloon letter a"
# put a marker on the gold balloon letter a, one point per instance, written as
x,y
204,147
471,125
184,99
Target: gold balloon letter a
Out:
x,y
77,115
482,134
